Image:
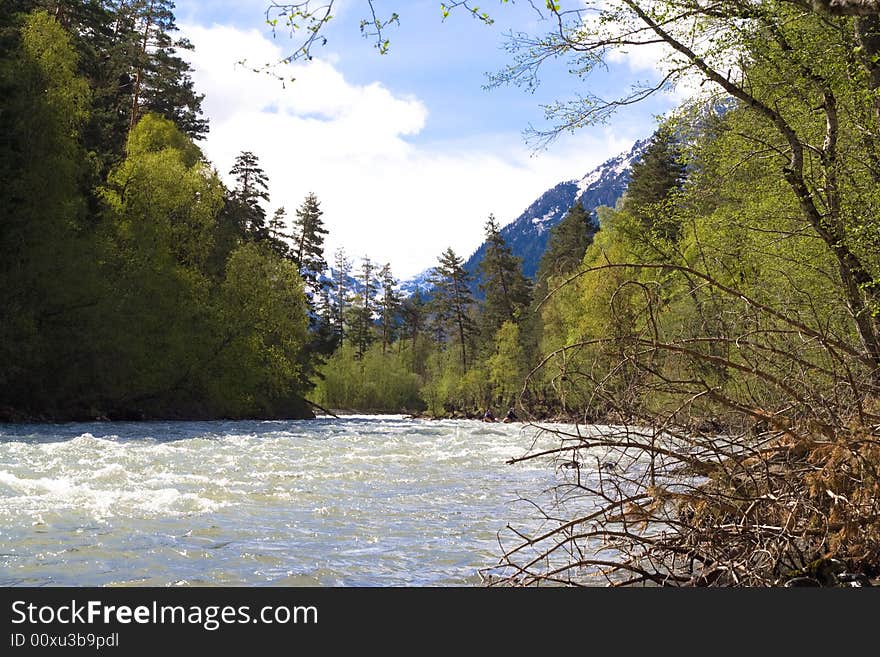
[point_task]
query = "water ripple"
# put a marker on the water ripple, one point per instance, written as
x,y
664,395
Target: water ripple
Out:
x,y
357,501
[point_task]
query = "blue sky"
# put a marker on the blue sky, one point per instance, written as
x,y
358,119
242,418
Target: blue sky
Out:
x,y
407,152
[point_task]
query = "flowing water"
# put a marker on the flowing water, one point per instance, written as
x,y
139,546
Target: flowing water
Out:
x,y
359,501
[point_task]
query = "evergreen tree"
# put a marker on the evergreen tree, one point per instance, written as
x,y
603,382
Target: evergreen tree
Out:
x,y
340,277
412,315
159,79
278,224
278,234
659,173
105,42
307,255
507,290
252,187
324,312
324,339
129,57
567,245
308,242
361,314
169,90
389,307
453,302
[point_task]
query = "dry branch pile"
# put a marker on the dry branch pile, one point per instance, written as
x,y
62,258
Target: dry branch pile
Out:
x,y
700,510
754,461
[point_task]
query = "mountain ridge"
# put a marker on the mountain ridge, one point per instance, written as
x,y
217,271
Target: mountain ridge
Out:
x,y
528,235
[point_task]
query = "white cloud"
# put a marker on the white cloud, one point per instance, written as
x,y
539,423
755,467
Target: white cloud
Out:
x,y
383,193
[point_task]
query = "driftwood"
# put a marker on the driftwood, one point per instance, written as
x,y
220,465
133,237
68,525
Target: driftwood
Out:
x,y
320,408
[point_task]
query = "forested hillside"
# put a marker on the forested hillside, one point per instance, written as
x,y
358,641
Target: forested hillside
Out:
x,y
133,284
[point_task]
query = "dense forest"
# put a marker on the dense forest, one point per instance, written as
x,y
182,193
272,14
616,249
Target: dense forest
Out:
x,y
133,284
445,350
141,286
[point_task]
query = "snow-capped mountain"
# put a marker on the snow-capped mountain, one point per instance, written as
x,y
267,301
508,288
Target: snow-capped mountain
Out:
x,y
529,234
420,281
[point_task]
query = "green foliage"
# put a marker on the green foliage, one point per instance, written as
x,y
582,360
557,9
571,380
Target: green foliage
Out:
x,y
181,340
452,304
134,284
507,365
413,317
43,105
164,198
375,381
160,80
649,203
308,242
258,370
568,242
45,44
278,233
131,298
443,379
127,53
654,177
507,290
158,134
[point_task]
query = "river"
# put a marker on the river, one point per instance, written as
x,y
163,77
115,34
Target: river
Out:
x,y
358,501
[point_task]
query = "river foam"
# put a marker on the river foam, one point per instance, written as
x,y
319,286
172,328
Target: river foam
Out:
x,y
363,500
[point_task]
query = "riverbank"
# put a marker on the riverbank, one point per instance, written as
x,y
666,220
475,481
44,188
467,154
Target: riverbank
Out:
x,y
8,414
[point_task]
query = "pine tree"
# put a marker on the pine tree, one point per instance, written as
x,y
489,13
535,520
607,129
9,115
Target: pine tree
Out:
x,y
169,90
324,339
105,42
453,302
252,187
324,311
507,290
308,243
659,173
340,277
412,316
278,234
389,307
567,245
129,57
362,312
160,80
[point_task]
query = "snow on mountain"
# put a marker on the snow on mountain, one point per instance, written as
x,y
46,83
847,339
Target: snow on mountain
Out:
x,y
612,172
420,281
529,233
